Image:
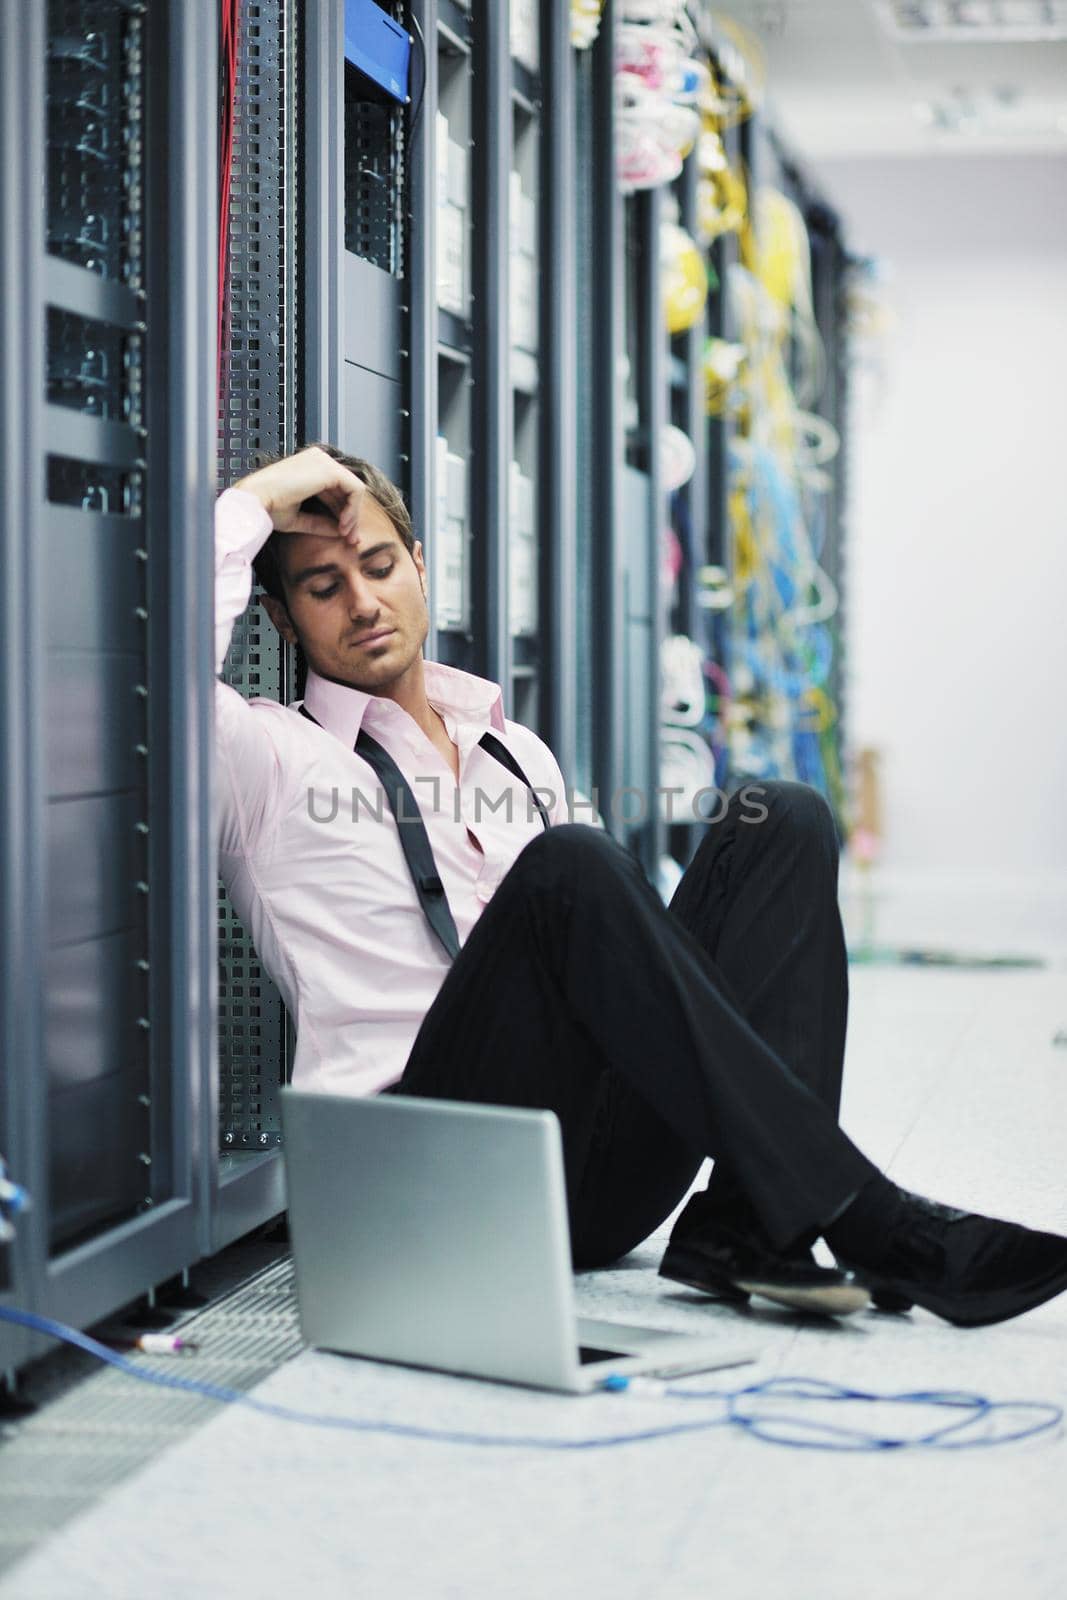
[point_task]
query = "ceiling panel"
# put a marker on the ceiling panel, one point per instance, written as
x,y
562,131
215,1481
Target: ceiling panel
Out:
x,y
840,84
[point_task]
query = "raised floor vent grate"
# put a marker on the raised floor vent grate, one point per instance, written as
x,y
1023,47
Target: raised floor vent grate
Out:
x,y
104,1425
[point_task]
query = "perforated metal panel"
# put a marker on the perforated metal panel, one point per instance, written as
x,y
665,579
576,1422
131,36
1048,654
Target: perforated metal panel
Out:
x,y
259,355
94,1429
257,414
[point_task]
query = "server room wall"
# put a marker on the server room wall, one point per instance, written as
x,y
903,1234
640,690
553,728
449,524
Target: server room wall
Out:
x,y
453,286
959,514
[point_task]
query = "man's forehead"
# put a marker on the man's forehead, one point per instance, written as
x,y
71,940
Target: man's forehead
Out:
x,y
375,529
373,521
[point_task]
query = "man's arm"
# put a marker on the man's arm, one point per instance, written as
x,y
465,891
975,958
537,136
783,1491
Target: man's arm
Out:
x,y
242,528
251,777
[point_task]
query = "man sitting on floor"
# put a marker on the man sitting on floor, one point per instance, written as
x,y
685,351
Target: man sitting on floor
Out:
x,y
402,857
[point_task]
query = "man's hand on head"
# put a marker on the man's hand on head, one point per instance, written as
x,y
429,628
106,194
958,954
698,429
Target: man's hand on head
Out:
x,y
309,492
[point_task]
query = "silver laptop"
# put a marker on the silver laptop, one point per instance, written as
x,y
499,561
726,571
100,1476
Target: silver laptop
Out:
x,y
434,1233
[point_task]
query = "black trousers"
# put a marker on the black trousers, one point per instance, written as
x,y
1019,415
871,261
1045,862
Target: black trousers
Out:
x,y
660,1036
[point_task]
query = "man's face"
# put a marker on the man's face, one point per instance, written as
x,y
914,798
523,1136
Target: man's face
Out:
x,y
358,610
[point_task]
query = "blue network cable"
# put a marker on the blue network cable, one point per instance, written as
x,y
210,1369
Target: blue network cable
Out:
x,y
798,1432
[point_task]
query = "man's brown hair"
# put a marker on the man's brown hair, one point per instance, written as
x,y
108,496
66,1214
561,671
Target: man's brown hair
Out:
x,y
382,490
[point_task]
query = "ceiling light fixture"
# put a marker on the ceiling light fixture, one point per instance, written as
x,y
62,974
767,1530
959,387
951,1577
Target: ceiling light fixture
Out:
x,y
974,21
999,112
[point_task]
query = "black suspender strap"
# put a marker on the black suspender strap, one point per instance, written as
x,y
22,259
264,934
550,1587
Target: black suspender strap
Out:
x,y
414,840
492,744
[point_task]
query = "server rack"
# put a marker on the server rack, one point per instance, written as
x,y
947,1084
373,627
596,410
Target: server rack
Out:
x,y
699,510
479,417
688,411
108,984
721,325
666,382
692,510
504,193
770,162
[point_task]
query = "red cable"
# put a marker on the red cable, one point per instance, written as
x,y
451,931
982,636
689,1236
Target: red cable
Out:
x,y
223,140
226,163
229,56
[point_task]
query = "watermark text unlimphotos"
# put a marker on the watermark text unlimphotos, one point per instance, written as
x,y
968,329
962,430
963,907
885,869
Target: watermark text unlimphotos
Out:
x,y
629,804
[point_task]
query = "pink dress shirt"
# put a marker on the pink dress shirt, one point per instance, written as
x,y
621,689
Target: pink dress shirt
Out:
x,y
317,875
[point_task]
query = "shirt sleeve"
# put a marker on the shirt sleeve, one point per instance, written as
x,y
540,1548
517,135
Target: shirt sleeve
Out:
x,y
242,528
246,807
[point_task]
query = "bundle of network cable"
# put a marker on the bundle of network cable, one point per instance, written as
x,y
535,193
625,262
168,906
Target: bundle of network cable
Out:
x,y
658,82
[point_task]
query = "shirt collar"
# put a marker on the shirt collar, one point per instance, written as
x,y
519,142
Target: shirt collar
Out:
x,y
460,696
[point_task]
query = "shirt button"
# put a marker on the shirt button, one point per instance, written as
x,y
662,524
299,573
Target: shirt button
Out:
x,y
484,891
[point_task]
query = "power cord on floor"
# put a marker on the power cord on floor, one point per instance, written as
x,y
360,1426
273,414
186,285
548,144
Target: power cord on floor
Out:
x,y
797,1432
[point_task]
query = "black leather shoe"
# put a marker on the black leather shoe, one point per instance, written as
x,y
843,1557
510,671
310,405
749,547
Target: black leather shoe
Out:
x,y
732,1265
969,1269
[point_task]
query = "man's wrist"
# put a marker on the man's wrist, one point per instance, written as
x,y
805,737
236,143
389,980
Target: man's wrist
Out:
x,y
242,522
247,486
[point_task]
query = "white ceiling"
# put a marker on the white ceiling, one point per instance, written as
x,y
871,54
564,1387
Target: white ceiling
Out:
x,y
839,84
